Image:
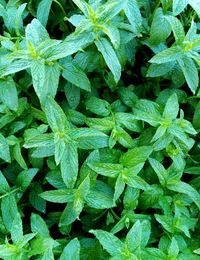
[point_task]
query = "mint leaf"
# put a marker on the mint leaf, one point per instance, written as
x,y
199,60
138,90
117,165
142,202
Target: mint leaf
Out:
x,y
72,250
43,11
109,242
110,57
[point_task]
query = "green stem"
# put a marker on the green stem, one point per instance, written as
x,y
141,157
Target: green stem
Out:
x,y
9,193
61,7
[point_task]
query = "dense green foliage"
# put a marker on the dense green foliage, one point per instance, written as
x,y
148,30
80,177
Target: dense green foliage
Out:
x,y
99,129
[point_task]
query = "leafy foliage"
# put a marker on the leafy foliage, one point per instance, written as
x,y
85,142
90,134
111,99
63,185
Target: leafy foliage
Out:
x,y
99,129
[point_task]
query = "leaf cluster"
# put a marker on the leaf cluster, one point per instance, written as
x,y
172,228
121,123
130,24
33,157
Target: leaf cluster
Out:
x,y
99,129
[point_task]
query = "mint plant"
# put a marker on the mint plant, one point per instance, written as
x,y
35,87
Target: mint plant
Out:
x,y
99,129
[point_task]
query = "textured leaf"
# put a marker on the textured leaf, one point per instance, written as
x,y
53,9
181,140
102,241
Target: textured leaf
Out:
x,y
171,107
8,89
190,72
71,251
4,149
58,196
76,76
160,28
110,57
4,186
187,189
69,46
36,33
69,165
195,5
16,230
177,28
24,178
89,138
106,169
168,55
39,226
55,116
43,11
109,242
132,11
9,210
136,156
179,6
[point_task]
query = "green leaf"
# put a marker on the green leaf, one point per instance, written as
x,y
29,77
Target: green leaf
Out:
x,y
7,251
196,122
48,255
106,169
45,78
187,189
43,11
147,111
60,147
159,170
101,124
24,178
52,75
76,76
73,210
166,222
38,77
58,196
150,197
190,72
18,156
16,230
4,186
171,108
4,149
132,11
72,94
9,210
197,251
168,55
158,70
108,11
154,253
173,249
8,89
98,106
177,28
109,242
110,57
40,140
69,165
179,6
71,251
14,67
136,156
133,180
36,33
82,5
195,6
131,196
89,138
100,197
160,28
56,117
37,202
73,43
39,226
119,187
113,33
138,235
